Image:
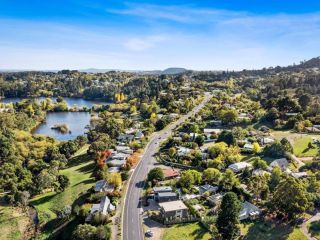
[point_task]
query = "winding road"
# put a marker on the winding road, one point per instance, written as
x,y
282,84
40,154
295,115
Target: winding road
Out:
x,y
132,226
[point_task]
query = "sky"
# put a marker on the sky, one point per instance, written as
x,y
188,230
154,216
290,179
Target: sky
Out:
x,y
148,35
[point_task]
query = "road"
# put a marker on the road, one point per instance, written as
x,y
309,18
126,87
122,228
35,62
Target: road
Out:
x,y
132,226
304,226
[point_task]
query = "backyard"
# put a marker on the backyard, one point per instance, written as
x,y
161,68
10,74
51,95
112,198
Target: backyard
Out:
x,y
189,231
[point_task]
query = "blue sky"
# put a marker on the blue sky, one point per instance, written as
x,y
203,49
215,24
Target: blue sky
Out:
x,y
144,35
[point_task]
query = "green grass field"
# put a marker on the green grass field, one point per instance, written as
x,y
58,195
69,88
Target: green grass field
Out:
x,y
267,231
79,173
301,149
12,222
189,231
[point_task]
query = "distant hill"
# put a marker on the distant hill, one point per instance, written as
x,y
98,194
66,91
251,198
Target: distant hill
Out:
x,y
169,71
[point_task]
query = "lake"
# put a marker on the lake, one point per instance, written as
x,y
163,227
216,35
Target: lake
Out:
x,y
76,121
80,102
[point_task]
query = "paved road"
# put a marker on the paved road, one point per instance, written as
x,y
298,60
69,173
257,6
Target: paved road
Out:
x,y
132,225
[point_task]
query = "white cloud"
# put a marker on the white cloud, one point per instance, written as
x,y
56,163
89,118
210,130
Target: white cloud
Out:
x,y
141,44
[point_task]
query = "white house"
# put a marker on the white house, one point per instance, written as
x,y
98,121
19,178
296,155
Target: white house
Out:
x,y
240,166
281,162
103,207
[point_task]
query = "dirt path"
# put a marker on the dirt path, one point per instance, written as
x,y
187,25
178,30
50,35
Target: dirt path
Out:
x,y
304,226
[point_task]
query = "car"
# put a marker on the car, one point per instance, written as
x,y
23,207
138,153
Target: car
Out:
x,y
149,233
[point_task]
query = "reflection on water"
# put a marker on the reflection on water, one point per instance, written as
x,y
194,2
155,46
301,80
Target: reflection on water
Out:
x,y
76,122
80,102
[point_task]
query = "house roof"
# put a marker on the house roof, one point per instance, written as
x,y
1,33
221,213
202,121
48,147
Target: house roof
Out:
x,y
247,209
239,166
281,162
100,185
208,188
170,172
162,189
173,206
167,194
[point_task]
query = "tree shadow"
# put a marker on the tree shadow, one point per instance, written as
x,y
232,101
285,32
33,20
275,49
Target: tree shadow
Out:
x,y
199,233
87,168
315,228
43,200
268,231
78,160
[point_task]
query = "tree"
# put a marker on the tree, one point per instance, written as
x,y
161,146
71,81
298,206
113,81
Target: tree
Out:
x,y
229,180
189,178
199,140
115,179
258,185
65,212
217,149
227,137
211,175
286,145
63,181
258,163
228,217
229,117
155,174
22,198
172,151
256,147
275,178
305,100
274,150
84,232
290,198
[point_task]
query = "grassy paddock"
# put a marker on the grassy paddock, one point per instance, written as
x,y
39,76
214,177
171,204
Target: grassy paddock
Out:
x,y
301,147
79,173
13,222
188,231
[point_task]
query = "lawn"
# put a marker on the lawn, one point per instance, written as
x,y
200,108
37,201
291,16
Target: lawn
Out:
x,y
188,231
268,231
301,149
314,229
13,222
79,173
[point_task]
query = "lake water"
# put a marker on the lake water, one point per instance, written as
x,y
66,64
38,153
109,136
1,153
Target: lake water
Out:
x,y
80,102
76,121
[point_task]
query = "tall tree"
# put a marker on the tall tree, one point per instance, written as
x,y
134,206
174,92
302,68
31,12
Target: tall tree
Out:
x,y
228,217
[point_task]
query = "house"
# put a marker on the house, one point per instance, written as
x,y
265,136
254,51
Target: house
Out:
x,y
244,116
209,131
183,151
124,149
291,114
248,148
103,207
170,173
282,163
264,129
162,189
248,210
259,172
266,140
240,166
166,197
125,137
103,186
173,116
207,188
139,135
299,174
215,199
116,163
113,169
173,211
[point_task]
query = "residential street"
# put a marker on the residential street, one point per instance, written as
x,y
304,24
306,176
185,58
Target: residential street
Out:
x,y
132,225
